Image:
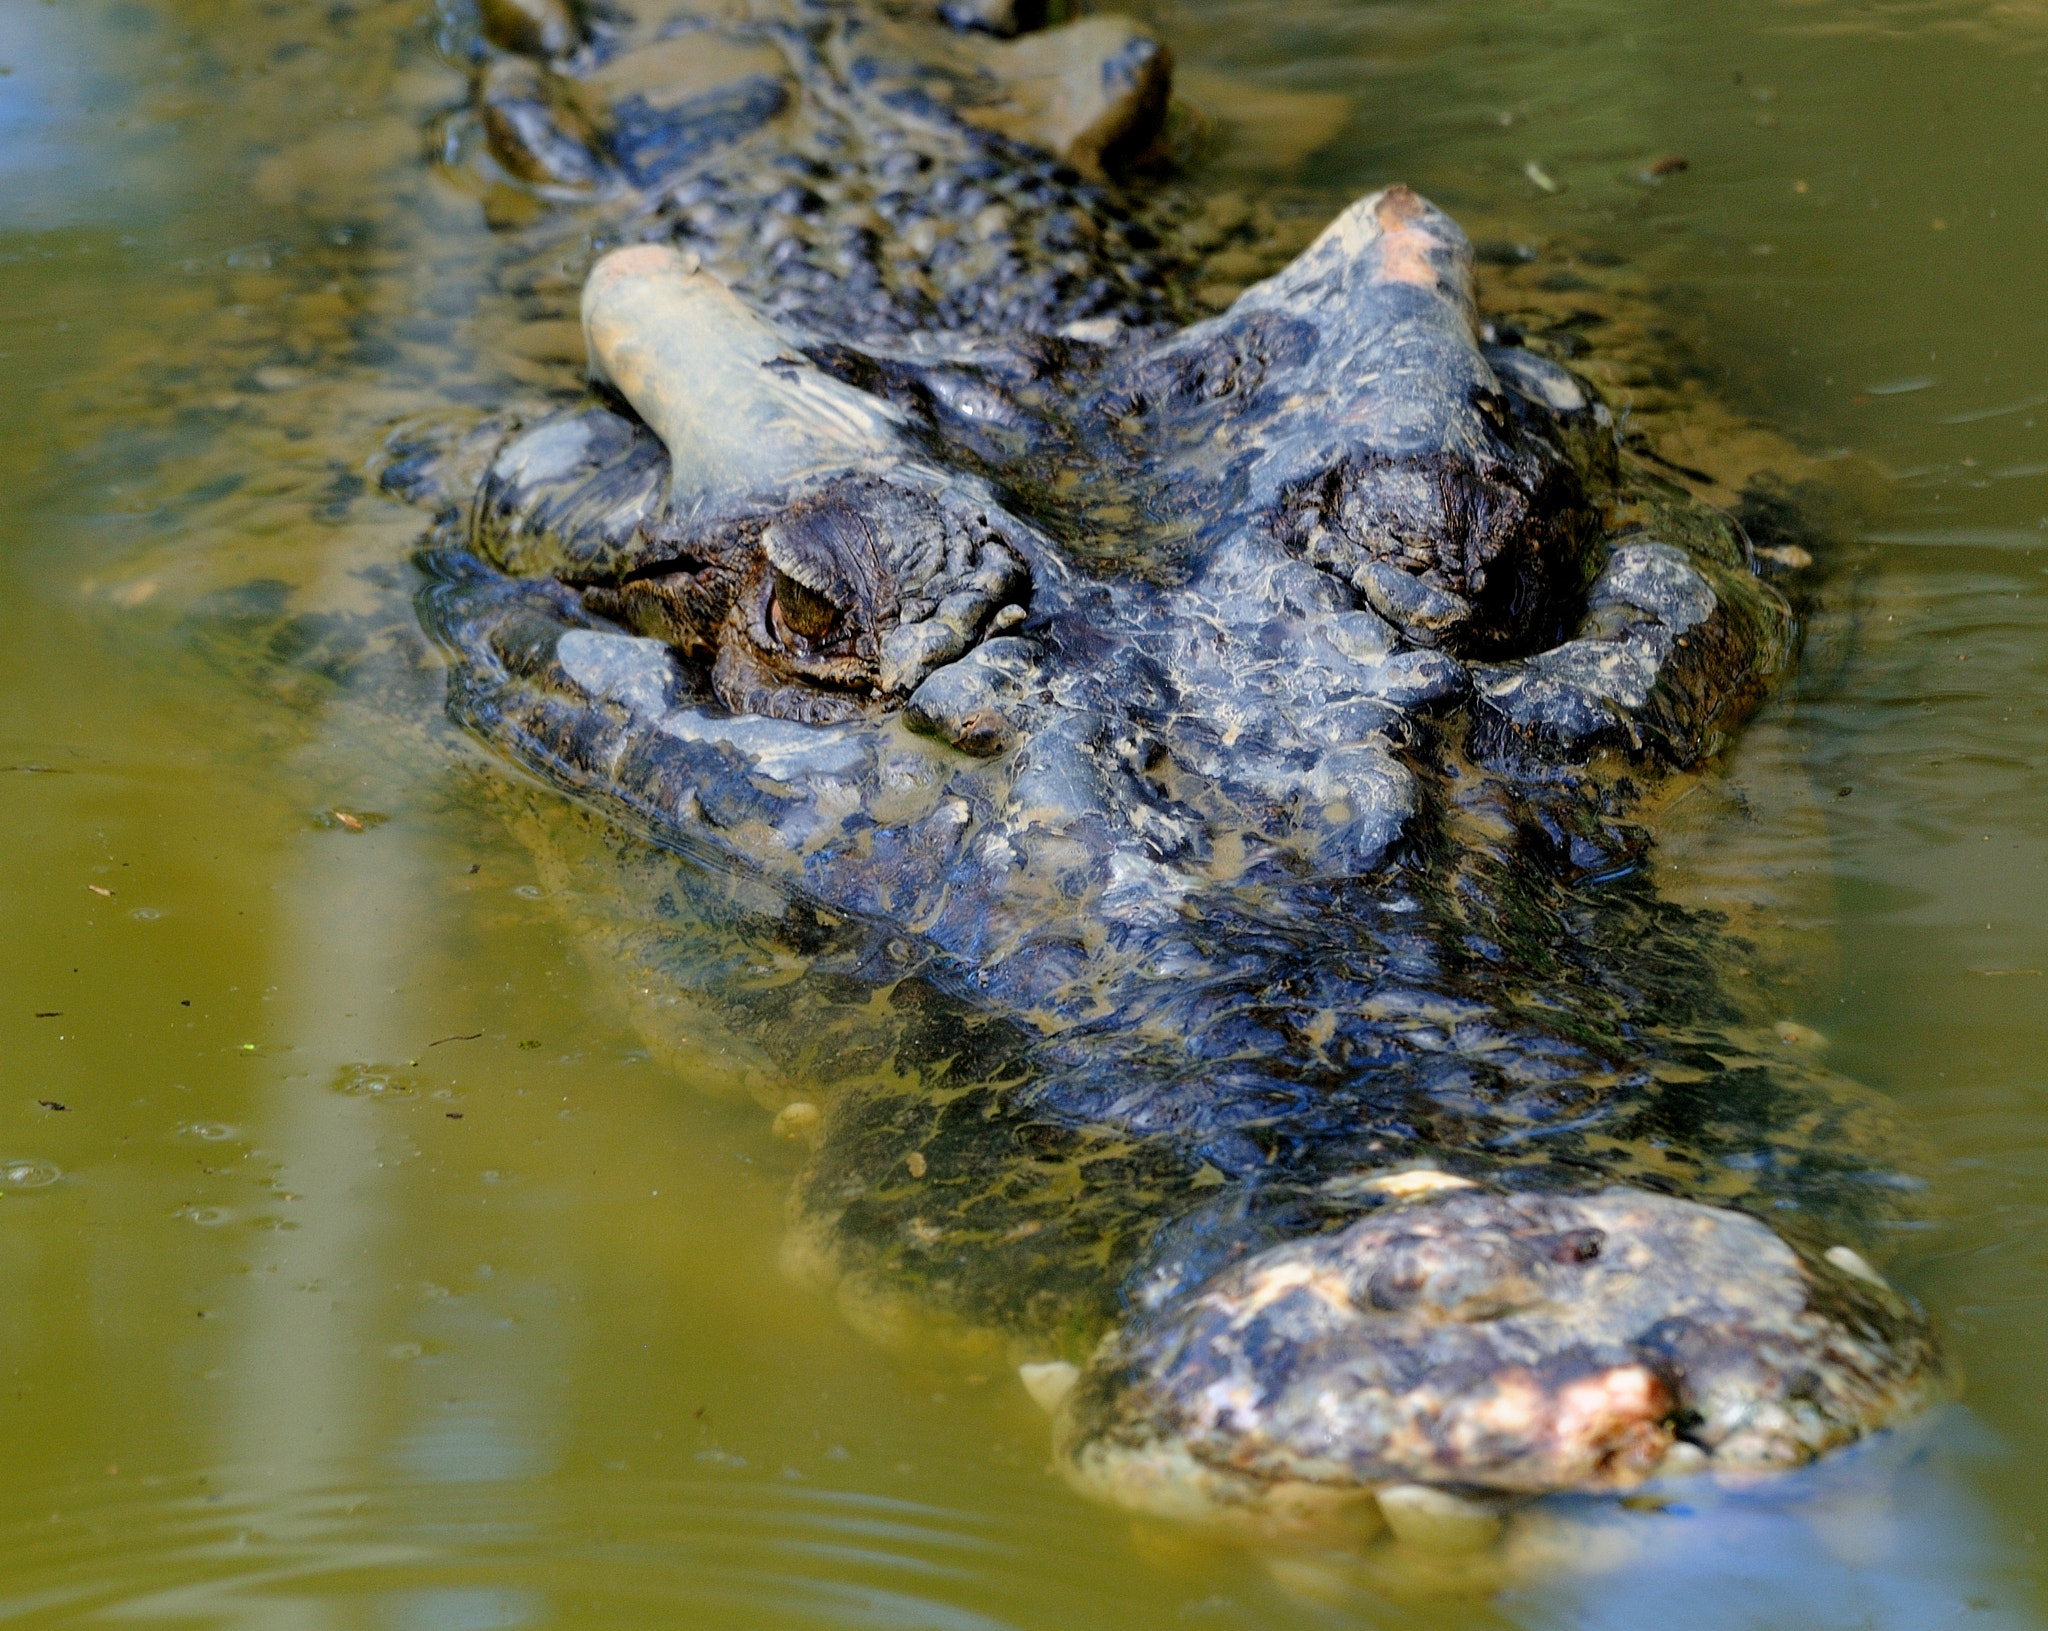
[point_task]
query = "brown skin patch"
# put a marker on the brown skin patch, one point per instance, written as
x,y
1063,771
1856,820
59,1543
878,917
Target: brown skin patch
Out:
x,y
1404,246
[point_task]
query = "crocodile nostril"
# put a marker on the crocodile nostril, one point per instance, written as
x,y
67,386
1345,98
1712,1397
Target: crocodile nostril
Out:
x,y
1391,1290
1577,1246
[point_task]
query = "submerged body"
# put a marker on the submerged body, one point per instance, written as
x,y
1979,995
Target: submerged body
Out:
x,y
1209,758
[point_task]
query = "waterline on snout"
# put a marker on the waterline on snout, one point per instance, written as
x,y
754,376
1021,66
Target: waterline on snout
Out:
x,y
1883,1535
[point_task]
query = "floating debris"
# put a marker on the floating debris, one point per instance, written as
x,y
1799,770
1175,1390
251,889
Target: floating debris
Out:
x,y
374,1082
349,820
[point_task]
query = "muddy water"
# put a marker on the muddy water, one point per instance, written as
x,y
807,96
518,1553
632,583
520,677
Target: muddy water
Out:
x,y
359,1265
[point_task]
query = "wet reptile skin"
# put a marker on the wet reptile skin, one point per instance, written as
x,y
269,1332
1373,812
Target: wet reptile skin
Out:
x,y
1198,765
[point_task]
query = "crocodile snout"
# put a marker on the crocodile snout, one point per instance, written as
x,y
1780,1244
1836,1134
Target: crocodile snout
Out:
x,y
1524,1344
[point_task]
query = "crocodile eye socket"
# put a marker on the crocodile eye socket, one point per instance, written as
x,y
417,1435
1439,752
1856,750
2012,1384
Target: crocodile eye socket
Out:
x,y
800,610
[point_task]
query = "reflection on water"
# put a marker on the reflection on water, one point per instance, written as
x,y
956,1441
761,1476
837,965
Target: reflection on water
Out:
x,y
362,1267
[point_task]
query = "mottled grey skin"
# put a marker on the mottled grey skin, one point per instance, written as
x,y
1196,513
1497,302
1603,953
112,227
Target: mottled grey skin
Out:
x,y
1215,750
1509,1342
866,174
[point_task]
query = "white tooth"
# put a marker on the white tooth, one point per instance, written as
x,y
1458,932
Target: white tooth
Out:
x,y
797,1120
1049,1383
1852,1262
1436,1520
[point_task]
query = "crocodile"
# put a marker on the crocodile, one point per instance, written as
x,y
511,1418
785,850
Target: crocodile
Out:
x,y
1204,751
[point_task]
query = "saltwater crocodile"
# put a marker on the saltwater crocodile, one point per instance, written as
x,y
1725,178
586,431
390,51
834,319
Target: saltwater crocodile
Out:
x,y
1203,765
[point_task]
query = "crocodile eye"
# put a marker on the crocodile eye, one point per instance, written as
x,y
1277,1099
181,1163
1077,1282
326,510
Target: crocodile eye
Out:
x,y
800,610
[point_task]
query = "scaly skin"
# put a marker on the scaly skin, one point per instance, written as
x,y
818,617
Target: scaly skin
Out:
x,y
1216,745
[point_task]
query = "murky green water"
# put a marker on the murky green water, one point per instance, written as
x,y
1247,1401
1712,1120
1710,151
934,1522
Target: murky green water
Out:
x,y
361,1268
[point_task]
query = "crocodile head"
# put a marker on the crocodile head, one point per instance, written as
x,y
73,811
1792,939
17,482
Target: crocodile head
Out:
x,y
1333,509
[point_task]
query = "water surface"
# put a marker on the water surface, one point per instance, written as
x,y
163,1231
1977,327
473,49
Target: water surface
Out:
x,y
363,1269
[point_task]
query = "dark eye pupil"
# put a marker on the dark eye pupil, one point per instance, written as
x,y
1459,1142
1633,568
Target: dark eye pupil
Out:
x,y
804,611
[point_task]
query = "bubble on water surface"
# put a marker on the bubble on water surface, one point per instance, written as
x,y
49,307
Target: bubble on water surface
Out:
x,y
721,1458
28,1174
208,1132
207,1217
374,1082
